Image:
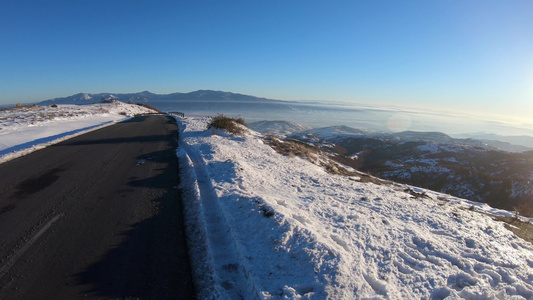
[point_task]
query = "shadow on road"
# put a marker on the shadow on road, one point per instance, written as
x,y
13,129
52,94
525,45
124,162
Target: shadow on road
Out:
x,y
152,260
152,138
149,264
33,185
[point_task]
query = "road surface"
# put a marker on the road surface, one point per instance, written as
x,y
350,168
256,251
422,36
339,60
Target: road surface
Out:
x,y
97,216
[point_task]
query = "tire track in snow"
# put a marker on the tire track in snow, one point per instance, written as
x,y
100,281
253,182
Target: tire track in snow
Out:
x,y
232,277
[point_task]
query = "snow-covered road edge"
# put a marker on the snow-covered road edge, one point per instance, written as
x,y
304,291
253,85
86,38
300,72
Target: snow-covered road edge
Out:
x,y
212,264
32,146
194,224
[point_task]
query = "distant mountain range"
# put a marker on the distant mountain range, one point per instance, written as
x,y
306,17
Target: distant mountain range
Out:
x,y
509,143
146,97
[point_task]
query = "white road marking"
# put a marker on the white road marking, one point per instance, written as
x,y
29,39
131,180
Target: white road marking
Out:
x,y
21,251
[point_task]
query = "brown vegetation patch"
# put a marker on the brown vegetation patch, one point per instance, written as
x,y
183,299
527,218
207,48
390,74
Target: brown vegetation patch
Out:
x,y
293,148
149,107
314,154
522,229
235,126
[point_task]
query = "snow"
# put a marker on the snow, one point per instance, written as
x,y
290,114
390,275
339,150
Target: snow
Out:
x,y
86,96
278,128
27,129
266,226
435,148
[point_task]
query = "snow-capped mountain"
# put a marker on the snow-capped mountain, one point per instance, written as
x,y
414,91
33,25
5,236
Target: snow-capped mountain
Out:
x,y
145,97
81,98
87,98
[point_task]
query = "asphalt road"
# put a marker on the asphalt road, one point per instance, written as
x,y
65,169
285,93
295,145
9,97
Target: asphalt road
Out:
x,y
96,217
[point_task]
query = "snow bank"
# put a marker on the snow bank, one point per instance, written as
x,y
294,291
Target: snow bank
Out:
x,y
266,226
27,129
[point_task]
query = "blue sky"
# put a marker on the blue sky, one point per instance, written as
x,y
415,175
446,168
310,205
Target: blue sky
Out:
x,y
474,56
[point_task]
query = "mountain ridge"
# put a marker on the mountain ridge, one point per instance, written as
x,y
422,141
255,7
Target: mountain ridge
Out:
x,y
342,131
146,96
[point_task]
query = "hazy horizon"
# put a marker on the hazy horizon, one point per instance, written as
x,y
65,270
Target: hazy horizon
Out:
x,y
365,116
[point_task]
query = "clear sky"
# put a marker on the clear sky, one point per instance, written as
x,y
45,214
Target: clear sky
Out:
x,y
474,56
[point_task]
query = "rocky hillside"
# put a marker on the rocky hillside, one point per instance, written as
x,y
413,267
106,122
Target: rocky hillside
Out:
x,y
464,168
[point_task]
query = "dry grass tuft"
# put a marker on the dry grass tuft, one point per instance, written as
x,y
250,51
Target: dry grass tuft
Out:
x,y
523,209
235,126
293,148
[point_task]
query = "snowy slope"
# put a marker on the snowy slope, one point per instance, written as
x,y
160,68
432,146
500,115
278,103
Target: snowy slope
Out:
x,y
26,129
266,226
334,132
279,128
